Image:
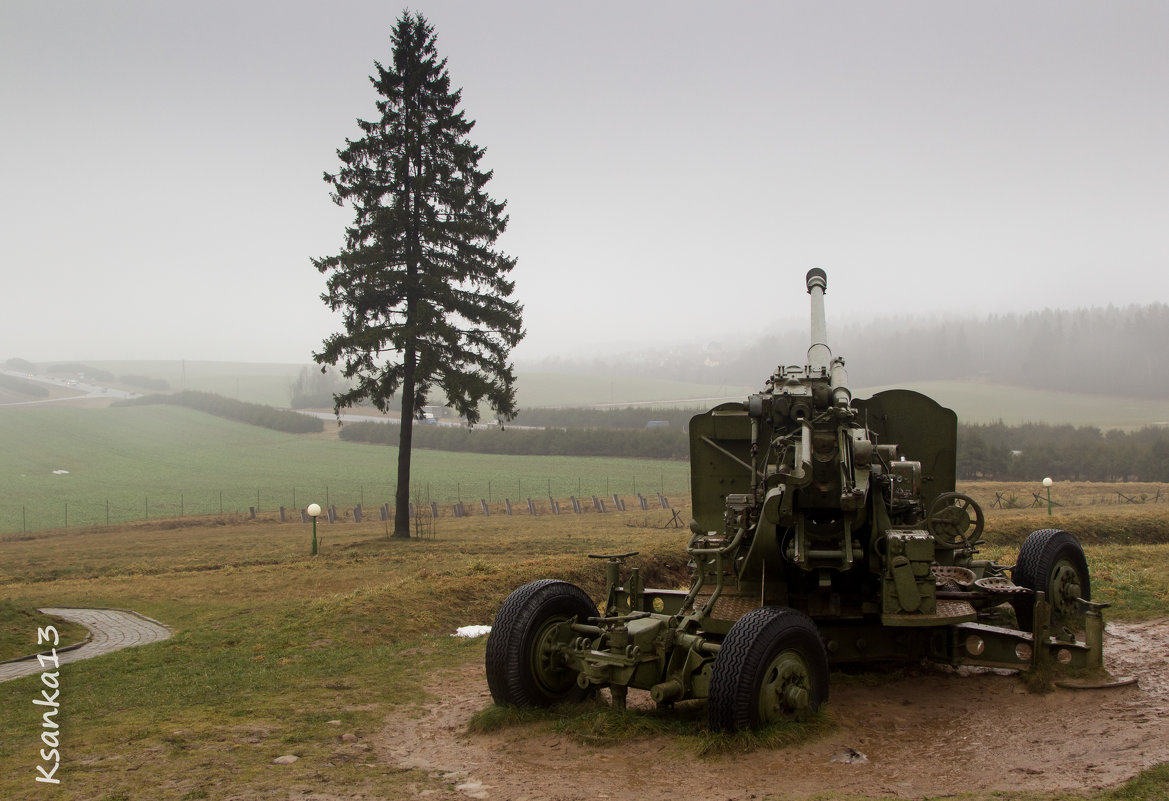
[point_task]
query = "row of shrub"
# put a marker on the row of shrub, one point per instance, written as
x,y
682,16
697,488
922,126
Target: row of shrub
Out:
x,y
251,413
645,444
629,417
988,452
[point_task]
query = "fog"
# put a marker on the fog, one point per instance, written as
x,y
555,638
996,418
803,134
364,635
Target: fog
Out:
x,y
672,169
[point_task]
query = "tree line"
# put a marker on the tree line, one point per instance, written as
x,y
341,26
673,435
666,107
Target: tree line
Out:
x,y
1033,451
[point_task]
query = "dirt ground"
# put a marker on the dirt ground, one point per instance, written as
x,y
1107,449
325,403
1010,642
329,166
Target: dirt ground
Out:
x,y
935,732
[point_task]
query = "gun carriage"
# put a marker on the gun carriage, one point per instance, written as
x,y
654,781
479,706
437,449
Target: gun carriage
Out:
x,y
826,530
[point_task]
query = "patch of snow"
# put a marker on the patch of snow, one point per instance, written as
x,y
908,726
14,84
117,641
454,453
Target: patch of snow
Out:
x,y
850,756
471,631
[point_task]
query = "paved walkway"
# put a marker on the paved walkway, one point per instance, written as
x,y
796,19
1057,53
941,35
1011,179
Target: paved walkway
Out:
x,y
110,630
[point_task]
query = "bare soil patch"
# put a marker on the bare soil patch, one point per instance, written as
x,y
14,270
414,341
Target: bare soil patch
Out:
x,y
928,732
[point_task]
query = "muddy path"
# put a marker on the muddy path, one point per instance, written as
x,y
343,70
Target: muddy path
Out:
x,y
928,732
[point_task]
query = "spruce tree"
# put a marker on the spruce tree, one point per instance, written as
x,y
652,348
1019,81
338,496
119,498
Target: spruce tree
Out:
x,y
423,291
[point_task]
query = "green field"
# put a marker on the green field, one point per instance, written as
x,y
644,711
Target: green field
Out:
x,y
161,461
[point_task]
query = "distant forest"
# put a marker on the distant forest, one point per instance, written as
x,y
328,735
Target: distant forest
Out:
x,y
1031,452
1101,350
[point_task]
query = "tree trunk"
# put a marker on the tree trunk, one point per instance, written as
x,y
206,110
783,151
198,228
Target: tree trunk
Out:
x,y
402,498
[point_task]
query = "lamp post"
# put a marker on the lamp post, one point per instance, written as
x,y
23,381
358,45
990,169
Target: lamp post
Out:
x,y
1047,482
313,511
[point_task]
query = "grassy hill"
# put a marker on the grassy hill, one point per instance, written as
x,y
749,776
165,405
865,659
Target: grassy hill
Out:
x,y
565,389
980,402
271,384
271,645
166,461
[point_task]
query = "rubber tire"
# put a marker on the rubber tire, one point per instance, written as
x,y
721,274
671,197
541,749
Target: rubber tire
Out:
x,y
510,645
751,646
1041,552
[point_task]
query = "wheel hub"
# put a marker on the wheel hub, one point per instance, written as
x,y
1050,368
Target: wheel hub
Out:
x,y
1065,585
785,690
547,659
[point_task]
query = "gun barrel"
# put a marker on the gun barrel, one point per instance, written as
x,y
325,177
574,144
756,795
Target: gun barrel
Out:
x,y
819,354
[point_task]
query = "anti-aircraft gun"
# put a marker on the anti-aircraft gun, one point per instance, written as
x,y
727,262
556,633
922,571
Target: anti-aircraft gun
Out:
x,y
826,530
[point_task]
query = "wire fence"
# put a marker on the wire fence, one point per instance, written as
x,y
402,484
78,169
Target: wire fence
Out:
x,y
372,500
346,502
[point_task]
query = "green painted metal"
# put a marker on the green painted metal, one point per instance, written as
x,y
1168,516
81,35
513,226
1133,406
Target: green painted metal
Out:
x,y
817,512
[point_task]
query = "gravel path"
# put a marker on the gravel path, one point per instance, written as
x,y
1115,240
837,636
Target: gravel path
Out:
x,y
110,630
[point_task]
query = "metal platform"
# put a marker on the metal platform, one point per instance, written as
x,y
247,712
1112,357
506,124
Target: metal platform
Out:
x,y
948,612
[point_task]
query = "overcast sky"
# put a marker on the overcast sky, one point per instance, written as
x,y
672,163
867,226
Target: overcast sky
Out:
x,y
672,169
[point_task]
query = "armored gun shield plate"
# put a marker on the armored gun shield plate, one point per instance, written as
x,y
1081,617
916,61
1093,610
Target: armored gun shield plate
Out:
x,y
925,431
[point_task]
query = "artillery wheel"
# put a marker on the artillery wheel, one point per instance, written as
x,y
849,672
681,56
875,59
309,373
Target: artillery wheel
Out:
x,y
951,517
523,668
1053,562
772,666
